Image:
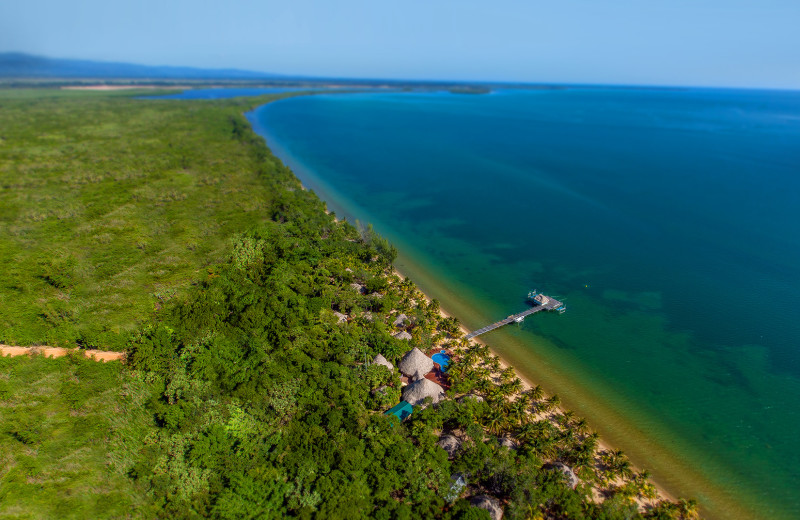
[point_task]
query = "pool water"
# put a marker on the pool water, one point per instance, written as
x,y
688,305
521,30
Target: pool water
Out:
x,y
442,358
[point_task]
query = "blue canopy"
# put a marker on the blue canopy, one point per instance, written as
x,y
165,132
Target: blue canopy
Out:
x,y
401,410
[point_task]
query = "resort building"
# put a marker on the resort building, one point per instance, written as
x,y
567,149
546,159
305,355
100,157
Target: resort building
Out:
x,y
380,360
415,361
417,392
401,410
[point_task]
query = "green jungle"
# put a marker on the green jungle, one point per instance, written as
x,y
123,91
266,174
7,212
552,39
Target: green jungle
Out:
x,y
249,317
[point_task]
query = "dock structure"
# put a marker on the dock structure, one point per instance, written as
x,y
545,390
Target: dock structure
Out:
x,y
540,303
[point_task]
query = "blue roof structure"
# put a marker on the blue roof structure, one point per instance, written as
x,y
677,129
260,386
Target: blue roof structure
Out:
x,y
401,410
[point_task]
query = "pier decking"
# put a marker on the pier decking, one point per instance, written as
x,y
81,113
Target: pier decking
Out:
x,y
540,303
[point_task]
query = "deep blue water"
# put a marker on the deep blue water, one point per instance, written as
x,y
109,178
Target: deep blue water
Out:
x,y
667,220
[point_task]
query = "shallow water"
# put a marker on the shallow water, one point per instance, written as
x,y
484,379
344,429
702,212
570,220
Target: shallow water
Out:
x,y
668,221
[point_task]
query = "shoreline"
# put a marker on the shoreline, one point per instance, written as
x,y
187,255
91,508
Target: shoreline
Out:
x,y
678,470
662,492
527,384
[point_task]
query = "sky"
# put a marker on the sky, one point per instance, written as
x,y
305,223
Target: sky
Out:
x,y
723,43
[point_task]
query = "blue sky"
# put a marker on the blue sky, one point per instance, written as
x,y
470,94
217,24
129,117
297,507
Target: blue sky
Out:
x,y
735,43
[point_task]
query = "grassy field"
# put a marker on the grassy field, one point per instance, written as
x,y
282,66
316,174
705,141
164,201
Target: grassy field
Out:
x,y
110,206
69,430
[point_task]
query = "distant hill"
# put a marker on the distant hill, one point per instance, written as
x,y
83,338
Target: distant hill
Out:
x,y
19,65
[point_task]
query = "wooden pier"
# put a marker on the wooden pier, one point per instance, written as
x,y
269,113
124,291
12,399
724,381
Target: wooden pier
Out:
x,y
540,303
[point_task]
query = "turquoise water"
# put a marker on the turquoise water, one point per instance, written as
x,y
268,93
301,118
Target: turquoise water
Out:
x,y
442,358
668,221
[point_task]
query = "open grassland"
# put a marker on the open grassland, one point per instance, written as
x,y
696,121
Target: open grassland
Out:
x,y
110,206
69,430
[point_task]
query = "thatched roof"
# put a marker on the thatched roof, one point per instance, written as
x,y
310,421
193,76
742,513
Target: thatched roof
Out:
x,y
572,479
414,361
419,390
490,504
404,335
342,318
508,442
400,321
450,444
380,360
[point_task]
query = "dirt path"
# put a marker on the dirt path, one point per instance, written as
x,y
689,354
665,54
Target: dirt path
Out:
x,y
54,352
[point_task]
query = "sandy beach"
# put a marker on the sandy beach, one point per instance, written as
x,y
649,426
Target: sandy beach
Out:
x,y
527,384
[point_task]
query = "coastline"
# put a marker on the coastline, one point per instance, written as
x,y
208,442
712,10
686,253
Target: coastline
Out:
x,y
675,473
717,501
527,384
662,494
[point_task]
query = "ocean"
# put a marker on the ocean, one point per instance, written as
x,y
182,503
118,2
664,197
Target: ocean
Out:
x,y
667,220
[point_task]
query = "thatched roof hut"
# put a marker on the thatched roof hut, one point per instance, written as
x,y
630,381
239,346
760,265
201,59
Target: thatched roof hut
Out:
x,y
404,335
450,444
508,442
571,477
488,503
380,360
400,321
416,392
414,361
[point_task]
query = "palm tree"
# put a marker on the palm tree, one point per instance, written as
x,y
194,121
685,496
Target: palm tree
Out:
x,y
540,437
566,418
480,349
617,463
524,400
511,388
581,427
688,509
581,455
648,491
516,412
495,420
507,375
665,509
495,393
591,441
536,393
550,403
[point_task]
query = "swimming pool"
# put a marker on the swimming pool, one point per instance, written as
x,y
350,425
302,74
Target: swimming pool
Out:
x,y
442,358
